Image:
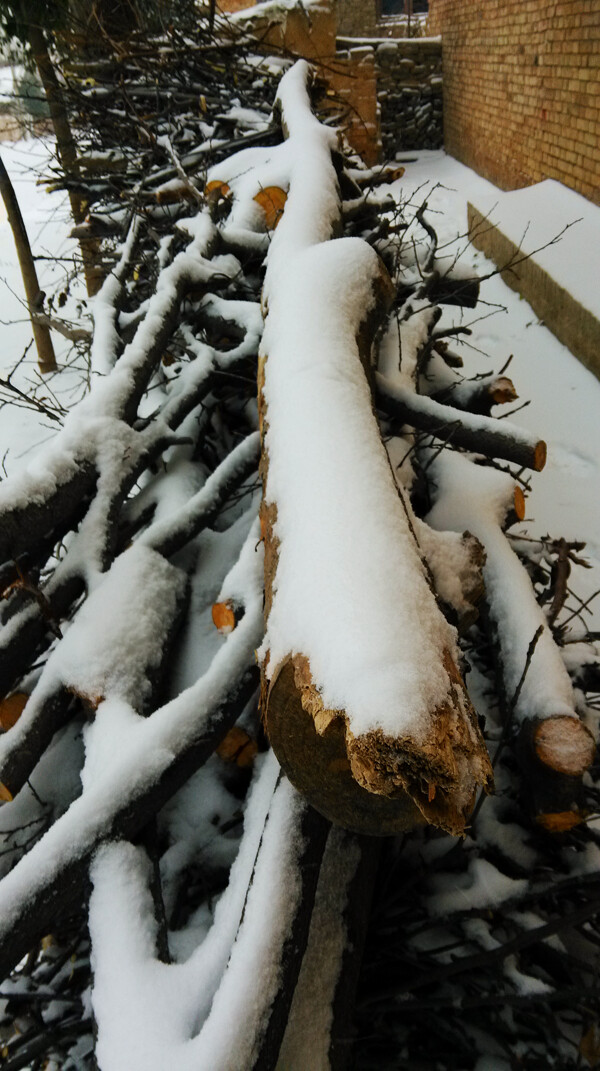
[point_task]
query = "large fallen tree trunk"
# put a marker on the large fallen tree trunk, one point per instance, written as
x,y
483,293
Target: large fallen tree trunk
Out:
x,y
350,614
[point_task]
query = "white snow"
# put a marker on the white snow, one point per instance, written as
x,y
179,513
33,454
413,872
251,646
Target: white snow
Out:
x,y
481,885
274,8
350,591
533,216
474,497
564,396
151,1015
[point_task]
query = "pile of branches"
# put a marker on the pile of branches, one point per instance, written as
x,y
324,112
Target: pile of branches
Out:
x,y
144,808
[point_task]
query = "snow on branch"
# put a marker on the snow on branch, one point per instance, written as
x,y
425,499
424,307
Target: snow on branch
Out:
x,y
227,918
354,615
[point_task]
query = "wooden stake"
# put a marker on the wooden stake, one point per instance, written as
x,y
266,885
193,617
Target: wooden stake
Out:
x,y
67,153
41,334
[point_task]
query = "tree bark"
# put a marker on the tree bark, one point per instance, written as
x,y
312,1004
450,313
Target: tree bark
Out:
x,y
56,893
554,754
484,435
67,152
41,333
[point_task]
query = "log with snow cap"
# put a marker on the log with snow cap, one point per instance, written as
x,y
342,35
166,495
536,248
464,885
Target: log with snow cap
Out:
x,y
362,697
124,786
555,747
471,431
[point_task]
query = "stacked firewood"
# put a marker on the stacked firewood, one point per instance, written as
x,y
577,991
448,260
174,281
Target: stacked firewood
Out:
x,y
223,858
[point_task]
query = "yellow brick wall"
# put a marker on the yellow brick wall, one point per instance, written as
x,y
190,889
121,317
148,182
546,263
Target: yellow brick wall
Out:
x,y
522,89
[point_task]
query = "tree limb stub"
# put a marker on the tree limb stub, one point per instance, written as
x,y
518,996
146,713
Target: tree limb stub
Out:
x,y
554,754
478,396
475,432
554,747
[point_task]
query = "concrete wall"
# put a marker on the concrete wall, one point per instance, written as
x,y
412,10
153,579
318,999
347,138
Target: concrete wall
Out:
x,y
522,89
577,327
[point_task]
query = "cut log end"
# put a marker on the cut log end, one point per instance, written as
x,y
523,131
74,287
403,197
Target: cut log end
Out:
x,y
560,821
11,709
519,504
272,201
238,747
502,391
540,454
6,795
318,766
554,754
216,189
375,784
225,617
564,745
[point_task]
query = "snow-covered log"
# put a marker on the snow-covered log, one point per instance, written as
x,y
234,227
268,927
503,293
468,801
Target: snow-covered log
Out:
x,y
471,431
122,791
362,696
555,748
212,1012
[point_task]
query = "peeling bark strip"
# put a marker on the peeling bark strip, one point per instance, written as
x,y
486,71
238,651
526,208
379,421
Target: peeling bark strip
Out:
x,y
361,693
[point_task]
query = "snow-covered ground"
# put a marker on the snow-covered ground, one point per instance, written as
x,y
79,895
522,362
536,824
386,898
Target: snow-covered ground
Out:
x,y
564,396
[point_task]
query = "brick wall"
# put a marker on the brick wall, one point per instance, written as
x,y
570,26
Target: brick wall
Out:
x,y
357,18
522,89
309,31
